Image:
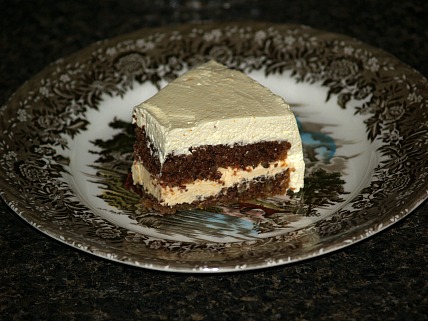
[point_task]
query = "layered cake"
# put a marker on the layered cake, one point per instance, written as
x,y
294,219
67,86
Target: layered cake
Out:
x,y
214,135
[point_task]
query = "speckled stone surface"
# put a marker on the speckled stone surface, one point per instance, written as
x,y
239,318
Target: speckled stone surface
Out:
x,y
382,278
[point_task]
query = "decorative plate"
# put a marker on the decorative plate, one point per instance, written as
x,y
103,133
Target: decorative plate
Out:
x,y
66,147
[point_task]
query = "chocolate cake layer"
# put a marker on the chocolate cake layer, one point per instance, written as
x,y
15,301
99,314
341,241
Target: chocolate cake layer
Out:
x,y
203,162
257,188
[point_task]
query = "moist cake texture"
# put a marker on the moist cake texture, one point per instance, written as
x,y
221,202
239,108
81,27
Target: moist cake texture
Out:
x,y
214,135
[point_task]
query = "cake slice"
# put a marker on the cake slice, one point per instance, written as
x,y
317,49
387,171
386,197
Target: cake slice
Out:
x,y
214,135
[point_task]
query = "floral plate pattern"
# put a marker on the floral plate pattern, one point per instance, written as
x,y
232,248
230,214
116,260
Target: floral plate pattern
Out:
x,y
66,145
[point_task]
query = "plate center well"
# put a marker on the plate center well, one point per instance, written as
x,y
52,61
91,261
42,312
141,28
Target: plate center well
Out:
x,y
336,153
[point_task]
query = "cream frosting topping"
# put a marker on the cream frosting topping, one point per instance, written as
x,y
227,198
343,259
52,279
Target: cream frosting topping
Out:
x,y
212,105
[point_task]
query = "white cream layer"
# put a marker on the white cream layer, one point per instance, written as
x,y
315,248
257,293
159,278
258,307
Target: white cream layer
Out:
x,y
201,189
214,105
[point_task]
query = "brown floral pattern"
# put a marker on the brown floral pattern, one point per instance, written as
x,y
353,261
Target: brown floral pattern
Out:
x,y
50,109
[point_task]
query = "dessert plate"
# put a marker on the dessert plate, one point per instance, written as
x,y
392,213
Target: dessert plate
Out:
x,y
66,147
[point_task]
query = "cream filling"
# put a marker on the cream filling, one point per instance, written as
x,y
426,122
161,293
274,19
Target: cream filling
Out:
x,y
201,189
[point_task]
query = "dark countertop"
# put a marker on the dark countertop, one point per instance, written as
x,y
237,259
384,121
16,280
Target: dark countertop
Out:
x,y
382,278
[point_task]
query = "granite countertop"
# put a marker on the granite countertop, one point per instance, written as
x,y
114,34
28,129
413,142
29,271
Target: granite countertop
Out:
x,y
381,278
